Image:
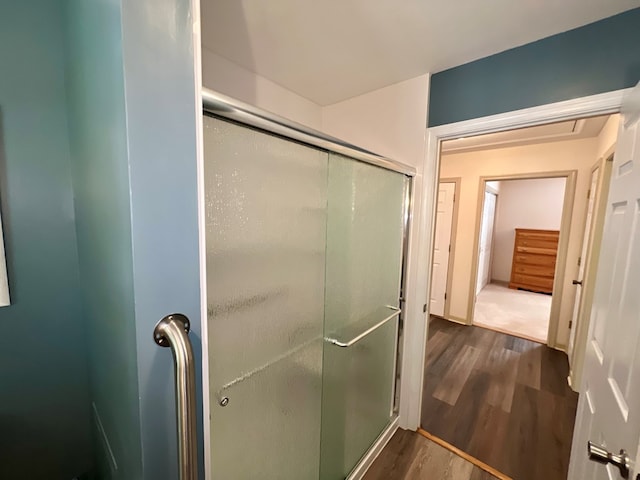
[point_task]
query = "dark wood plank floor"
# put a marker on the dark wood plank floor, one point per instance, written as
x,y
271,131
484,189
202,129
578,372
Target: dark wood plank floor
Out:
x,y
502,399
409,456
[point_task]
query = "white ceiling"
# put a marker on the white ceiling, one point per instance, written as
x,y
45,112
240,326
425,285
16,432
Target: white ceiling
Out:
x,y
550,132
331,50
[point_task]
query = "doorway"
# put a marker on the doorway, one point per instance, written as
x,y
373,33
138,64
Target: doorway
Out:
x,y
521,223
487,227
562,153
480,383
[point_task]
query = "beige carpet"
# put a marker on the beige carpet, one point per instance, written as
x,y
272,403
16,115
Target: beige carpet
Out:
x,y
516,312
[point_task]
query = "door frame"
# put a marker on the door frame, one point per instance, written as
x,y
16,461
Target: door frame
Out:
x,y
452,241
416,327
571,177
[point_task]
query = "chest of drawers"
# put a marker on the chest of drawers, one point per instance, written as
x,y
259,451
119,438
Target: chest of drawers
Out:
x,y
534,260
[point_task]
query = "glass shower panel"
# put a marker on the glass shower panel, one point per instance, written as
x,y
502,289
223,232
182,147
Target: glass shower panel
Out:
x,y
363,268
266,201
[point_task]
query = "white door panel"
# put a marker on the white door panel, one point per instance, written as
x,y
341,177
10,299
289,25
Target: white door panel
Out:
x,y
609,406
444,219
595,175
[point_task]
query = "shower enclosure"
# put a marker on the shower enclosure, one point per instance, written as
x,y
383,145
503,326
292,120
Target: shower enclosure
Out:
x,y
304,244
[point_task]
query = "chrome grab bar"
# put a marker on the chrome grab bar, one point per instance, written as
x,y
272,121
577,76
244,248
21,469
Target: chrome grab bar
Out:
x,y
356,339
172,331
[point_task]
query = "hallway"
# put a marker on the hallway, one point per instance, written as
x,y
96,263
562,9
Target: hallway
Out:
x,y
501,399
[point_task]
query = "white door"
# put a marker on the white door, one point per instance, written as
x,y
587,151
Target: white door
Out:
x,y
486,240
441,249
609,405
595,175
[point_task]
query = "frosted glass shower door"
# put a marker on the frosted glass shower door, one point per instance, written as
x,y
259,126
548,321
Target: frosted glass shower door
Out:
x,y
266,201
364,261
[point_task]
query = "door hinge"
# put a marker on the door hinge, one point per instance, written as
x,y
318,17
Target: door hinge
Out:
x,y
449,248
579,261
588,194
570,324
424,308
454,198
445,295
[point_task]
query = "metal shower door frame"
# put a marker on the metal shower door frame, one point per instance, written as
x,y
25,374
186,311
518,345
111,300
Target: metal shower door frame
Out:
x,y
221,106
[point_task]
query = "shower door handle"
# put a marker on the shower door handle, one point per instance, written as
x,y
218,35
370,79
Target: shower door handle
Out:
x,y
357,338
173,331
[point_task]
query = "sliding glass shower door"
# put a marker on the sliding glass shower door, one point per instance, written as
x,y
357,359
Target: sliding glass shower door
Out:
x,y
363,268
265,247
303,267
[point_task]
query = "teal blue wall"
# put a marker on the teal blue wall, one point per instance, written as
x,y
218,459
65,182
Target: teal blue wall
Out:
x,y
133,113
44,407
597,58
162,114
97,118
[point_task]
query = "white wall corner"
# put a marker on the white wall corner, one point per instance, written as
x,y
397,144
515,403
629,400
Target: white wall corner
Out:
x,y
390,121
224,76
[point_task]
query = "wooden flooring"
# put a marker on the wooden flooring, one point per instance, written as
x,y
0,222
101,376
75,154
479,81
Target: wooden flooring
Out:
x,y
502,399
409,456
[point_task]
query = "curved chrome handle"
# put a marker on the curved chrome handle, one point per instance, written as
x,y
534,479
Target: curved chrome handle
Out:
x,y
356,339
172,331
602,455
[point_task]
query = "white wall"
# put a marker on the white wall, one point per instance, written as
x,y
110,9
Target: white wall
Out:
x,y
535,203
608,136
390,121
230,79
577,155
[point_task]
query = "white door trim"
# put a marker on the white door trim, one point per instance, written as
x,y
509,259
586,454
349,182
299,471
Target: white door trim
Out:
x,y
413,366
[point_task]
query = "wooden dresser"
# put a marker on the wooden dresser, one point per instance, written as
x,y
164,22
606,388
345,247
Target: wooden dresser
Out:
x,y
534,260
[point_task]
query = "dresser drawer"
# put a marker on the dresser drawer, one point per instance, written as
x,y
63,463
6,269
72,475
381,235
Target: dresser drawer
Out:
x,y
537,250
538,271
532,259
538,235
529,281
535,243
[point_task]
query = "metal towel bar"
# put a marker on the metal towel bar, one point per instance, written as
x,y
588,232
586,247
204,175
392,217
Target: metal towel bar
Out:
x,y
172,331
356,339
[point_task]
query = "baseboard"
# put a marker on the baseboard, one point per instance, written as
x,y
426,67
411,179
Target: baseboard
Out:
x,y
455,450
562,348
454,319
358,472
502,283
